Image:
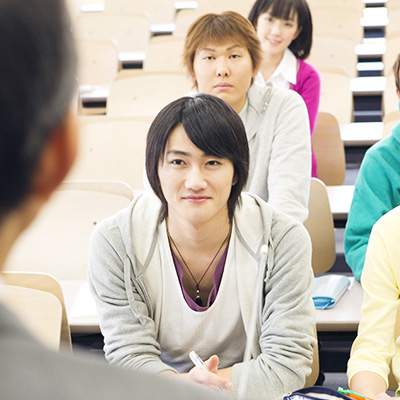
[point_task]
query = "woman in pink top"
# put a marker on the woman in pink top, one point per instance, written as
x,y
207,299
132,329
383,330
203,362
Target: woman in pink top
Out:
x,y
285,31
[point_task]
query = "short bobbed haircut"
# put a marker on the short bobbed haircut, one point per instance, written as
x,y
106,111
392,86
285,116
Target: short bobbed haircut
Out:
x,y
301,46
37,81
213,126
396,72
218,29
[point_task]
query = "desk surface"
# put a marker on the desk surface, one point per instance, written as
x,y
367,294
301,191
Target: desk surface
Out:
x,y
361,133
360,86
374,17
83,317
345,315
371,48
368,85
81,309
340,198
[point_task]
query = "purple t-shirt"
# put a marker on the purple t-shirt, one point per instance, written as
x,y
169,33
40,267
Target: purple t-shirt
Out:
x,y
219,269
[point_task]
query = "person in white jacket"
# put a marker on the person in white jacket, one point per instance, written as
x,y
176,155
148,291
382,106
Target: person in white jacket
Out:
x,y
180,269
222,55
38,145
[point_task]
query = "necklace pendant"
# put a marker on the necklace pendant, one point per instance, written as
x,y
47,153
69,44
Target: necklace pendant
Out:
x,y
198,301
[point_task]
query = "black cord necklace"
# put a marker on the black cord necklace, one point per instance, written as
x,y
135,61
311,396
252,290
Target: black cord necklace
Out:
x,y
198,299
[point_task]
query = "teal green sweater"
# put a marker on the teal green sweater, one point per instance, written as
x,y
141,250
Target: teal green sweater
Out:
x,y
377,191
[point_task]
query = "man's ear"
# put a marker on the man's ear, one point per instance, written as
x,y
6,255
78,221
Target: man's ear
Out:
x,y
57,157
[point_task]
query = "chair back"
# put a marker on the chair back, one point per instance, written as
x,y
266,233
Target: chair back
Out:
x,y
393,25
344,4
112,150
131,31
145,94
389,122
336,95
319,225
57,241
334,51
98,61
389,99
328,149
391,51
39,311
312,378
158,12
164,54
45,283
333,20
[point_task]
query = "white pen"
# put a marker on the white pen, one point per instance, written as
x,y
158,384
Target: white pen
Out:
x,y
198,362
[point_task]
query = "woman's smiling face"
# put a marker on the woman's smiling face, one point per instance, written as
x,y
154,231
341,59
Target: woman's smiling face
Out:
x,y
276,34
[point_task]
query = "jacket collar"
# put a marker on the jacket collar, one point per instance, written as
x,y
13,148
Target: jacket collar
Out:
x,y
287,68
258,97
250,267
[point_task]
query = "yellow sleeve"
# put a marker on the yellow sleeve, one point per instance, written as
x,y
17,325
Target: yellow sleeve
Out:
x,y
374,346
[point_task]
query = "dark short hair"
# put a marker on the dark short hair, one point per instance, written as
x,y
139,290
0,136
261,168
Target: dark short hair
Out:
x,y
301,46
396,72
37,81
213,126
220,28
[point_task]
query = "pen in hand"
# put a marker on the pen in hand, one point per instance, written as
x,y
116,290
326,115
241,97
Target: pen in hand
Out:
x,y
352,394
198,362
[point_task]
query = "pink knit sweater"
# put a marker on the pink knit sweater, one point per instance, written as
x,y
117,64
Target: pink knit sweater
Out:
x,y
308,87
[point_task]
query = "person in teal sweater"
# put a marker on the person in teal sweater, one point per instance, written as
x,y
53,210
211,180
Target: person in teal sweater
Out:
x,y
377,191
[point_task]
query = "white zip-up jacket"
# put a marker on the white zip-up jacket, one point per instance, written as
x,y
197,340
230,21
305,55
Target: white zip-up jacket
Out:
x,y
126,280
278,132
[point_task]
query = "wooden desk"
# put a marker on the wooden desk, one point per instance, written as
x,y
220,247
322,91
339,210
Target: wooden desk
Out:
x,y
94,93
344,316
360,86
371,48
374,17
361,133
368,85
130,58
81,309
83,317
186,5
373,66
156,29
92,7
378,2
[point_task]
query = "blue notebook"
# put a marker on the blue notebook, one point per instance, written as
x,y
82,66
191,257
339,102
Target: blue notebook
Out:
x,y
328,289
